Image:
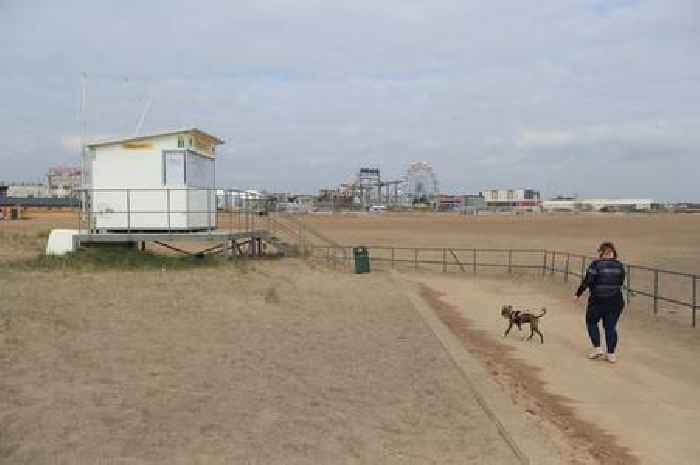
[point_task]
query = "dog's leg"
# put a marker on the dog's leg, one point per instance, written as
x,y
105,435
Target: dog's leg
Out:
x,y
541,336
508,329
532,332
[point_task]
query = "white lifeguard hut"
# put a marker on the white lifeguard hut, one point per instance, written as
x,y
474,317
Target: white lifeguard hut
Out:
x,y
161,188
163,181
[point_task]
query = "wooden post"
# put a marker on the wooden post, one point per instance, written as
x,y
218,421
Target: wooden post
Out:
x,y
128,210
566,268
444,260
656,292
474,260
229,208
510,261
415,259
208,210
392,258
253,216
167,203
300,238
695,298
629,284
554,261
328,254
544,262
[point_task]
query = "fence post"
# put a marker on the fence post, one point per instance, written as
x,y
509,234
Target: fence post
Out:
x,y
392,258
444,260
300,238
695,298
474,260
544,262
656,292
415,259
328,254
167,202
566,268
554,260
128,210
629,284
510,261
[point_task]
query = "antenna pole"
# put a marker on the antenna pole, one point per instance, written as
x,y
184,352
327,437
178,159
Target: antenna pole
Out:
x,y
81,120
143,115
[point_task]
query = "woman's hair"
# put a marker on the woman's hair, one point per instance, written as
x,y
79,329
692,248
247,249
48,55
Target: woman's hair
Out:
x,y
607,246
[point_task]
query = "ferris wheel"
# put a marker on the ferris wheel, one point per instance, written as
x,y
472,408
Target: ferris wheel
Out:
x,y
421,181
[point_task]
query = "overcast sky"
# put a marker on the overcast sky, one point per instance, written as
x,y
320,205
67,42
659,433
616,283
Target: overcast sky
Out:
x,y
595,97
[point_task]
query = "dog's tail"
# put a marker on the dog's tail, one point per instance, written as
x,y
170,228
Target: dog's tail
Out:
x,y
544,312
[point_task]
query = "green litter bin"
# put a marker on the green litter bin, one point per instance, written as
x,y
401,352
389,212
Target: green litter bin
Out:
x,y
361,256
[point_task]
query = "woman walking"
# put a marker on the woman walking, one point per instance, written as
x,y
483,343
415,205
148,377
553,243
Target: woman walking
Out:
x,y
604,280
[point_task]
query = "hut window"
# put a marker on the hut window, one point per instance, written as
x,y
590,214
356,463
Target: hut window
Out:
x,y
173,168
180,142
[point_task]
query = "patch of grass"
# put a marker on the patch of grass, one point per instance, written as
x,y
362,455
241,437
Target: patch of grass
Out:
x,y
43,234
271,295
121,258
30,243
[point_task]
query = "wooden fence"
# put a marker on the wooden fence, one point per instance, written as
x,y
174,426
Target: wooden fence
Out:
x,y
672,287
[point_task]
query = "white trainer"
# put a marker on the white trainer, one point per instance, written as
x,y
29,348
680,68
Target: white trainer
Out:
x,y
611,358
596,353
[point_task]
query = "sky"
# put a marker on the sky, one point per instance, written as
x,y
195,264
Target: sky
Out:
x,y
592,97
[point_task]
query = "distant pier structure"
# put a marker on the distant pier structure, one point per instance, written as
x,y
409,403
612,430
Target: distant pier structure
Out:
x,y
368,188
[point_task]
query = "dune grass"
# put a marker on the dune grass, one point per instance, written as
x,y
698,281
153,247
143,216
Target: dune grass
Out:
x,y
122,258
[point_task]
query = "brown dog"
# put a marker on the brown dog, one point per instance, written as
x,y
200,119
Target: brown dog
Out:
x,y
519,318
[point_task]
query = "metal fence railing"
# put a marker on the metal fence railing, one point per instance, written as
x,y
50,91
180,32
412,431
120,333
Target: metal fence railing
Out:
x,y
169,209
661,286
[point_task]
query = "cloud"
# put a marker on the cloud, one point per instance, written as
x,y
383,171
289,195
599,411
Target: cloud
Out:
x,y
305,92
675,135
71,143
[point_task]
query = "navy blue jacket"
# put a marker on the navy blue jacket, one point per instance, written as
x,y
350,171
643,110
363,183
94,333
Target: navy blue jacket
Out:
x,y
605,278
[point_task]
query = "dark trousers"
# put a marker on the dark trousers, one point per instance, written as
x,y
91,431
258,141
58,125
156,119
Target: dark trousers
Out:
x,y
608,310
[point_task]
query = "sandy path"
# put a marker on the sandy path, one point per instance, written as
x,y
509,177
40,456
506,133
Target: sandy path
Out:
x,y
646,403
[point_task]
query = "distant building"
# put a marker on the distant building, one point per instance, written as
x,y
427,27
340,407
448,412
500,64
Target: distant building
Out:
x,y
459,202
63,181
448,202
600,205
28,190
474,202
561,205
512,199
685,207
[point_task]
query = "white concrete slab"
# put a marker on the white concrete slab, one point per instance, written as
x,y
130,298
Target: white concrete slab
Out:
x,y
61,241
